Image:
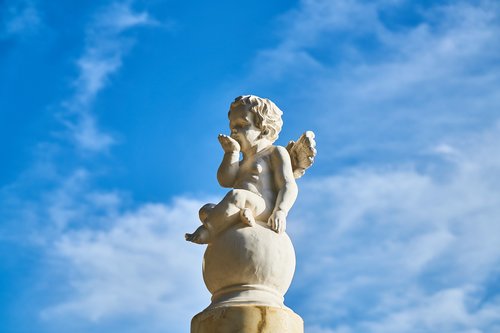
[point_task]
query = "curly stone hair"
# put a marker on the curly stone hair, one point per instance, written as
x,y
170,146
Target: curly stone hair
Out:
x,y
267,114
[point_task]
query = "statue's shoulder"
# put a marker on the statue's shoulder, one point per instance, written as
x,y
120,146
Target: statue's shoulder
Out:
x,y
279,155
278,151
281,150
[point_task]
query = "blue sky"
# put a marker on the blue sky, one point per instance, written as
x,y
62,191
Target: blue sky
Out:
x,y
109,113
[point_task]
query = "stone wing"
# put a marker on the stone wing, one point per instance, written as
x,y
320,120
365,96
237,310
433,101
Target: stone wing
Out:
x,y
302,153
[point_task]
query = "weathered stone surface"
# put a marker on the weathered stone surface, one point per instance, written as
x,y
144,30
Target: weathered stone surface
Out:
x,y
247,319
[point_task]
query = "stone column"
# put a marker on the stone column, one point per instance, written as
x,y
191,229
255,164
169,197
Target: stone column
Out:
x,y
247,319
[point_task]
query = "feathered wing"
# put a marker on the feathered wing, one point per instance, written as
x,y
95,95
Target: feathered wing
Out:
x,y
302,153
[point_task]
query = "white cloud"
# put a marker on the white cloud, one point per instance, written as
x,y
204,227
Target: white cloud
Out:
x,y
107,258
19,18
401,249
308,27
118,17
137,265
62,209
318,329
86,133
106,45
445,311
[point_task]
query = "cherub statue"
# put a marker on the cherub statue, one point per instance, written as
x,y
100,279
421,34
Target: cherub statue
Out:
x,y
263,181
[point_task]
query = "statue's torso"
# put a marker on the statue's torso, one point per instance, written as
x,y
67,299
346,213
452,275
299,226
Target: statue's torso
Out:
x,y
255,175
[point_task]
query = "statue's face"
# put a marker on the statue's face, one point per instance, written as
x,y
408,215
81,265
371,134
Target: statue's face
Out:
x,y
242,127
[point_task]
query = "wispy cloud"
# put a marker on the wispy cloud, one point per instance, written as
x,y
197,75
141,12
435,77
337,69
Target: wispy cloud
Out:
x,y
106,43
105,46
387,87
19,18
310,26
402,249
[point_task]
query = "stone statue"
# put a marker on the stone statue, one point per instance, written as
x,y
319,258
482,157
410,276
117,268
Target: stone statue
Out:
x,y
250,260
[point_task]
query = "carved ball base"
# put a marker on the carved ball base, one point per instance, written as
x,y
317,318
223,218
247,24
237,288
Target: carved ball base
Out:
x,y
249,265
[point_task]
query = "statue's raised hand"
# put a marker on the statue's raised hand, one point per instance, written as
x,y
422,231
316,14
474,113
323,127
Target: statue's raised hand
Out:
x,y
229,144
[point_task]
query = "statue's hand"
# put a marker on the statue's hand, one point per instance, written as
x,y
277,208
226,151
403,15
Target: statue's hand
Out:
x,y
229,144
277,221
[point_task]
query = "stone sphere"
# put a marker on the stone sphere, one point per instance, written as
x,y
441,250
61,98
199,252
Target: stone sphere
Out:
x,y
249,265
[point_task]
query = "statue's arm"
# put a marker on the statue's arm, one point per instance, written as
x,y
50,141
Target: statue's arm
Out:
x,y
285,181
286,186
228,169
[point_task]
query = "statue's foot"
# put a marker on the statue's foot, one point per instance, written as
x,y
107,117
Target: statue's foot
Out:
x,y
247,217
200,236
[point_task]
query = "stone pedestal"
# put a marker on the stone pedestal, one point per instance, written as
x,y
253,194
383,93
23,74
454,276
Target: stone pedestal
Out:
x,y
249,265
247,319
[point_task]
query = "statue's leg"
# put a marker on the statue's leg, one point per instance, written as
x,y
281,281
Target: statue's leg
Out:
x,y
237,206
229,210
255,208
226,211
217,217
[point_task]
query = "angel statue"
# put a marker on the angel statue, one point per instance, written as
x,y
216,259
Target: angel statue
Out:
x,y
263,181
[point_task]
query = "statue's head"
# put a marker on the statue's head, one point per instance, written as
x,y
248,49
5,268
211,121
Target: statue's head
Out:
x,y
266,115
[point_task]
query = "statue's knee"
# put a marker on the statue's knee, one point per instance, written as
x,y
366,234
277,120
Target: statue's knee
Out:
x,y
205,210
237,196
